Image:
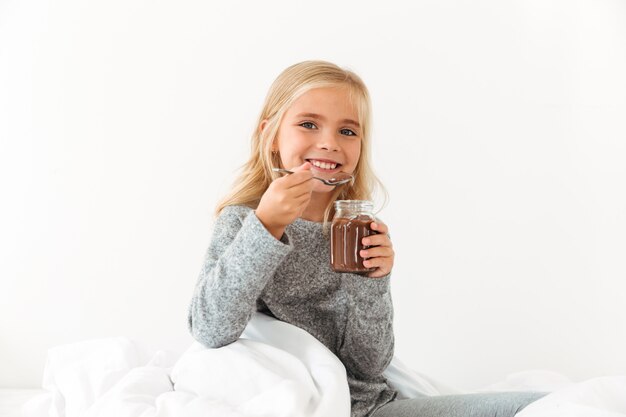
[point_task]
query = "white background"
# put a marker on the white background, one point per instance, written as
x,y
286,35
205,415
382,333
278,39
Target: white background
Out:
x,y
499,131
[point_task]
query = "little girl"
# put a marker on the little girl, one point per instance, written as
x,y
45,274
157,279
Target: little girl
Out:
x,y
270,248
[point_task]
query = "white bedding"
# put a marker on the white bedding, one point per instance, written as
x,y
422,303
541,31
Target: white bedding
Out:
x,y
12,399
274,369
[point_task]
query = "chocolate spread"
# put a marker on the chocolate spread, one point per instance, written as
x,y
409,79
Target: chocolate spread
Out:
x,y
346,243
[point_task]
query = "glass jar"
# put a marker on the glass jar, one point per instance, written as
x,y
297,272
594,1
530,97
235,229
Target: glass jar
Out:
x,y
351,224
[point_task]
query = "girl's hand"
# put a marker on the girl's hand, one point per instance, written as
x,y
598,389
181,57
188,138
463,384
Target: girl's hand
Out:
x,y
285,200
381,256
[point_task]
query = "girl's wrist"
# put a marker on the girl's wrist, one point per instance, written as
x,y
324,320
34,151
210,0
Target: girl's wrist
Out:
x,y
275,230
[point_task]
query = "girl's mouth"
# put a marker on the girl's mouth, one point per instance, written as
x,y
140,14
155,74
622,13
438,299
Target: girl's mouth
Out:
x,y
323,166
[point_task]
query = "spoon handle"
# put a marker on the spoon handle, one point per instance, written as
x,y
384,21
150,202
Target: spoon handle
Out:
x,y
333,181
286,171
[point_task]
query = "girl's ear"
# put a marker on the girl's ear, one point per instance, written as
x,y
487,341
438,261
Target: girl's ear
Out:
x,y
262,125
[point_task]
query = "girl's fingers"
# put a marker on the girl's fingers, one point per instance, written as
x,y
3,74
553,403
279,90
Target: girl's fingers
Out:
x,y
298,179
297,191
382,265
293,180
303,193
380,227
378,251
300,174
377,240
378,262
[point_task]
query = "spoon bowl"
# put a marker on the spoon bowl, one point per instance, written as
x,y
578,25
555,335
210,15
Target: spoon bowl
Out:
x,y
339,178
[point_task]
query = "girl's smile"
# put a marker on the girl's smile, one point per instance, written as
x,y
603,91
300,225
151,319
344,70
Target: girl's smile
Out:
x,y
324,165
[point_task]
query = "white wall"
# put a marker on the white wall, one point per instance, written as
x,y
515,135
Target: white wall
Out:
x,y
499,131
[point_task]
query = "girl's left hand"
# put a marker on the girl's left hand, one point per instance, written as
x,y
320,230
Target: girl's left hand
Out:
x,y
381,253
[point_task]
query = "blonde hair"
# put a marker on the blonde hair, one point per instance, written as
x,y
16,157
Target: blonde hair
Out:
x,y
294,81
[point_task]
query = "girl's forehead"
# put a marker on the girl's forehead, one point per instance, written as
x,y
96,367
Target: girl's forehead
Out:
x,y
328,100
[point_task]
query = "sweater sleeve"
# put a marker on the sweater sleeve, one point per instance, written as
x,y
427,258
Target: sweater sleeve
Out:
x,y
369,340
241,258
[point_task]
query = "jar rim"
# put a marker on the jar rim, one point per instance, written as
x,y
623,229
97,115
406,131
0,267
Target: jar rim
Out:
x,y
353,201
363,204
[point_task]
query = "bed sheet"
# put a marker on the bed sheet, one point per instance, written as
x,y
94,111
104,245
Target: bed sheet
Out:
x,y
11,400
273,370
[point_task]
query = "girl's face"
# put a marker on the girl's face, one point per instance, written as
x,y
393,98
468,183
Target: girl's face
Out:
x,y
321,127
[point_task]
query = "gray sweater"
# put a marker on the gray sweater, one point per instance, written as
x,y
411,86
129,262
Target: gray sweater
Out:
x,y
247,269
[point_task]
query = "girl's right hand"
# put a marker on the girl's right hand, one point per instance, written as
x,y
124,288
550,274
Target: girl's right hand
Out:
x,y
285,200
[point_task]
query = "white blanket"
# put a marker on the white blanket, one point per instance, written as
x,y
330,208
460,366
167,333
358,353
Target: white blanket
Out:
x,y
274,369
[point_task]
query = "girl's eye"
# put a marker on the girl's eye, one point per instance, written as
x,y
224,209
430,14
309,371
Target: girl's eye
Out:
x,y
343,131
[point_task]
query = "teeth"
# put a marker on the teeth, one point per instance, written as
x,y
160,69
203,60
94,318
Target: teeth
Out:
x,y
324,165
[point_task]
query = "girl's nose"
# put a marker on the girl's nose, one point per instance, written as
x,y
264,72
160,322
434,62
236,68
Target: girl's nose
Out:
x,y
329,142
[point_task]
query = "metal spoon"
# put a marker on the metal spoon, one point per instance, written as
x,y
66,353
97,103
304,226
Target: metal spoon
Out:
x,y
339,179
